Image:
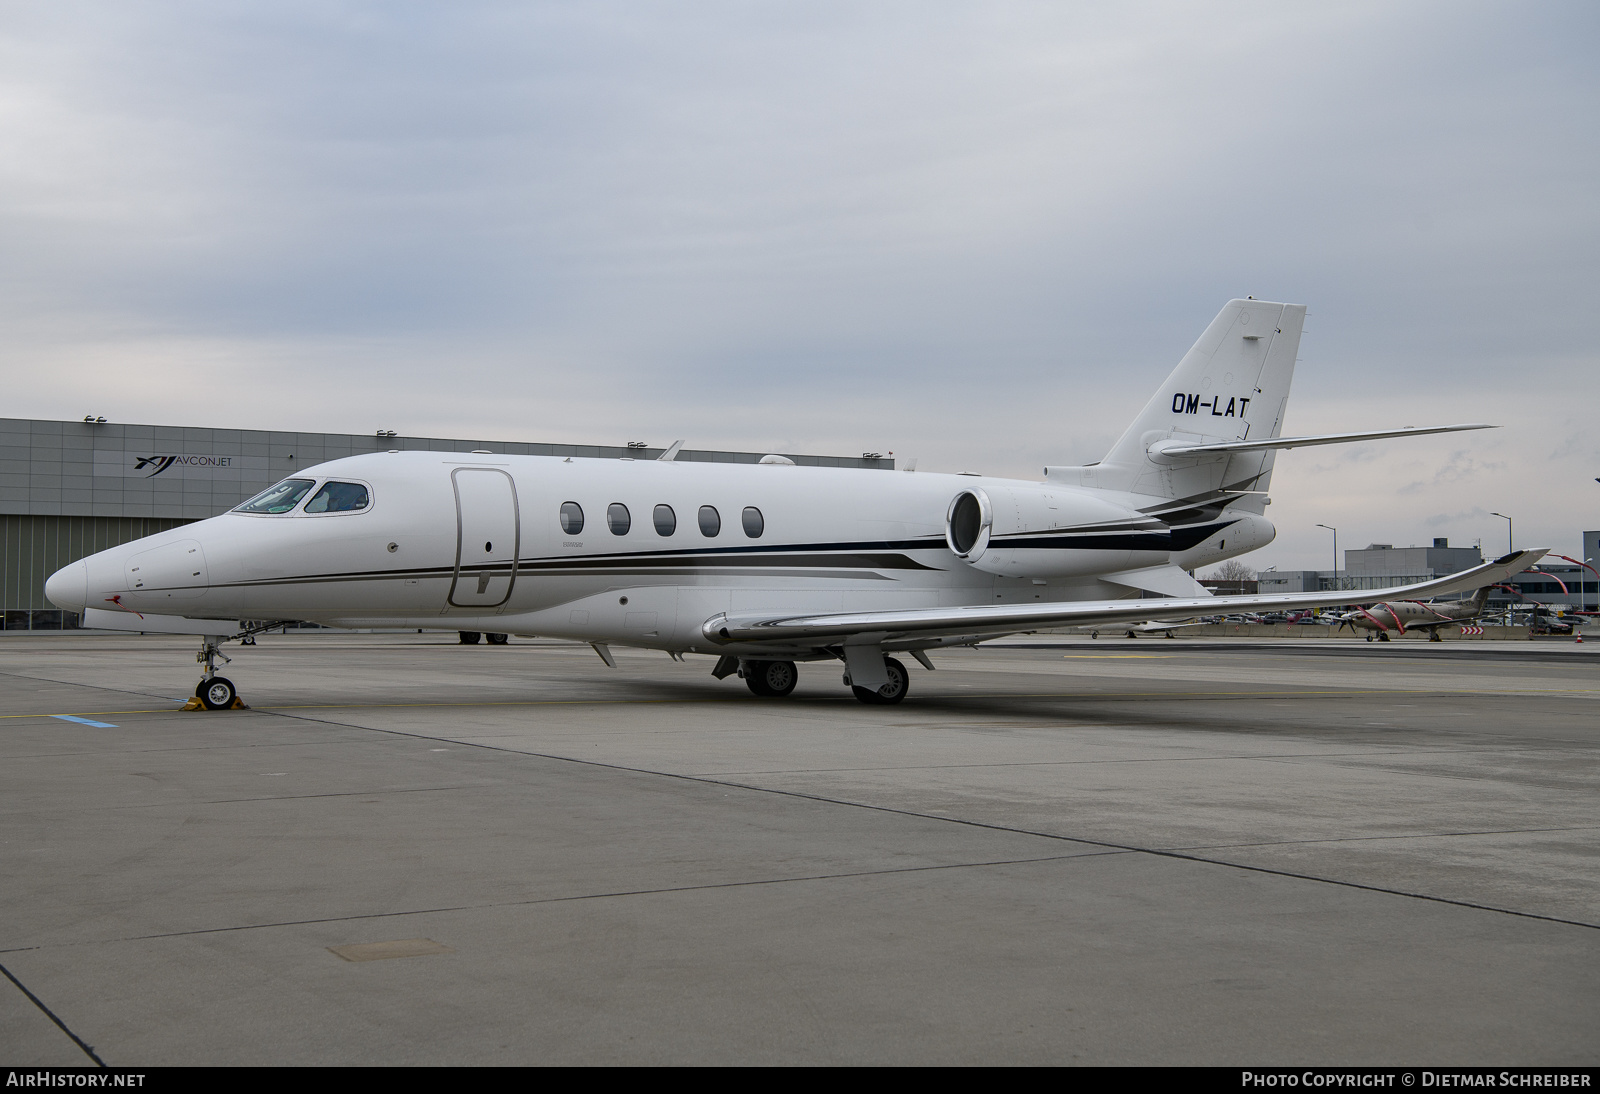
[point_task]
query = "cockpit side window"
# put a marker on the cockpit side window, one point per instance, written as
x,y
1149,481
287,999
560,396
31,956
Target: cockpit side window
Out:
x,y
278,499
339,497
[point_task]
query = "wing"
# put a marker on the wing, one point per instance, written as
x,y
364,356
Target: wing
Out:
x,y
910,628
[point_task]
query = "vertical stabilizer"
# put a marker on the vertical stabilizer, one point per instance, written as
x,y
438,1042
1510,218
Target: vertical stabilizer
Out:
x,y
1232,385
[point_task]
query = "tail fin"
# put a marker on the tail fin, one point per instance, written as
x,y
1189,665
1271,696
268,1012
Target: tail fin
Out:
x,y
1233,385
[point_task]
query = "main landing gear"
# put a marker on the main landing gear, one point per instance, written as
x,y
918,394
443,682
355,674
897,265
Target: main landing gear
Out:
x,y
887,695
775,679
770,679
470,638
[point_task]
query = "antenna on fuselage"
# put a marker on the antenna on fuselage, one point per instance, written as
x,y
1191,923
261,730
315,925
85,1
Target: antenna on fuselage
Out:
x,y
670,454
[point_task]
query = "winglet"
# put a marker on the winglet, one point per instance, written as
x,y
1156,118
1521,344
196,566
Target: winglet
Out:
x,y
670,454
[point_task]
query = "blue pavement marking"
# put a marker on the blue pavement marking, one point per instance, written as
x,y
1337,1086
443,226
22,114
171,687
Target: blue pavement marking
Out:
x,y
84,721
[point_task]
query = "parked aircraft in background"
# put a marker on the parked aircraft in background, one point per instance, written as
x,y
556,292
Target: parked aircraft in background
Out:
x,y
1135,630
760,566
1400,616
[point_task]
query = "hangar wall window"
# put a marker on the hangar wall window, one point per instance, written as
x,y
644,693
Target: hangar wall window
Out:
x,y
339,497
666,520
753,524
278,499
710,521
618,519
571,518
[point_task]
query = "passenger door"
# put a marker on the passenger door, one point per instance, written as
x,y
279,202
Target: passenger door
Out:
x,y
488,537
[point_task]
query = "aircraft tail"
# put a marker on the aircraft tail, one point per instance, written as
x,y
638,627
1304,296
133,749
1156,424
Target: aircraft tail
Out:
x,y
1232,385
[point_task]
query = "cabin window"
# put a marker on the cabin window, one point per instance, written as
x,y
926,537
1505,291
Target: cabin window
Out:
x,y
710,521
571,518
666,520
618,519
753,524
278,499
339,497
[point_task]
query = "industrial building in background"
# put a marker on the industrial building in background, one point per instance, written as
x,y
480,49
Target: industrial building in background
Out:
x,y
69,489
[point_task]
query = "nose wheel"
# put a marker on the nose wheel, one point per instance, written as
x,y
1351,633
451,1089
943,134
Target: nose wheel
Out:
x,y
217,693
213,692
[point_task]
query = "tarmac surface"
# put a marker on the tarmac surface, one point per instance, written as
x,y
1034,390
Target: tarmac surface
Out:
x,y
1102,852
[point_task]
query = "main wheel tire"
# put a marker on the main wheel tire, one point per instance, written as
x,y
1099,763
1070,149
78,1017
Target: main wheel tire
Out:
x,y
755,677
892,692
470,638
217,693
498,639
771,679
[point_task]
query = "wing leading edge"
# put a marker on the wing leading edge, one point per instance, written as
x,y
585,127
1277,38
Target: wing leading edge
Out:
x,y
988,621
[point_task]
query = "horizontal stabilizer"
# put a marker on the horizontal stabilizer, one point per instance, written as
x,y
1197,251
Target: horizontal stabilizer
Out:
x,y
1167,580
1188,448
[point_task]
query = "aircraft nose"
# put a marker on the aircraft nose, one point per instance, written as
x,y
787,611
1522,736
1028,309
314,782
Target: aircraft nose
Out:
x,y
68,587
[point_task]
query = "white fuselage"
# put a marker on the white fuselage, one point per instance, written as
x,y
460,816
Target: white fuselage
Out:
x,y
477,542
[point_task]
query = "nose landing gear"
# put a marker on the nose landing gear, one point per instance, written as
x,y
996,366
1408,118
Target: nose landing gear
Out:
x,y
214,692
218,693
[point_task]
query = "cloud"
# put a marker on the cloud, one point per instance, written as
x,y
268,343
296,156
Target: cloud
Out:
x,y
1461,467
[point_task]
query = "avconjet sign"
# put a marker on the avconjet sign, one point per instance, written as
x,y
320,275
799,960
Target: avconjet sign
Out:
x,y
136,465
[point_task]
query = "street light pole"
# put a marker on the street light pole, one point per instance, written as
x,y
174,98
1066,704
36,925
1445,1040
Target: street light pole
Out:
x,y
1510,543
1335,532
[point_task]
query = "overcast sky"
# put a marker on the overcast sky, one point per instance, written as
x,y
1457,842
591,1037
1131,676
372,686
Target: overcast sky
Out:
x,y
979,235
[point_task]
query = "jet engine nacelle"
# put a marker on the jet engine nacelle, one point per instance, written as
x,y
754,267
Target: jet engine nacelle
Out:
x,y
1050,532
1241,532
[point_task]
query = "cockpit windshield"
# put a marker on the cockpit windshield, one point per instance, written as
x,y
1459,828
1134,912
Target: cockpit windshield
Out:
x,y
278,499
338,497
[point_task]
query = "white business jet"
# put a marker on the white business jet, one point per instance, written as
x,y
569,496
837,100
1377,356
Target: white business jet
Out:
x,y
759,565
